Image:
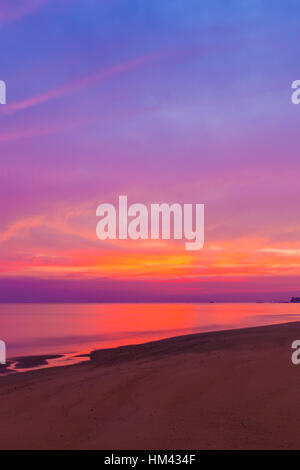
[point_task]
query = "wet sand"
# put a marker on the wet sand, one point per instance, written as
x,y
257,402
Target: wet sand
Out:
x,y
222,390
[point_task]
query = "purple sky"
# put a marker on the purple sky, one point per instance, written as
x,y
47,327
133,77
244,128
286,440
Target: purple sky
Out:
x,y
173,101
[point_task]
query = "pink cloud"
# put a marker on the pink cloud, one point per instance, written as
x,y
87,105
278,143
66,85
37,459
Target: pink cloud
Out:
x,y
81,83
100,75
61,126
11,10
39,130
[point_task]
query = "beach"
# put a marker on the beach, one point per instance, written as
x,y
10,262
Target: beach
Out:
x,y
235,389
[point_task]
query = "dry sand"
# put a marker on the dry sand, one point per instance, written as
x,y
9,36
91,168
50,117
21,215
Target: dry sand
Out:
x,y
224,390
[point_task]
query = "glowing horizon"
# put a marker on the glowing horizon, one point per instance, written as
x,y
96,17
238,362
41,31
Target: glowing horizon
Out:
x,y
174,102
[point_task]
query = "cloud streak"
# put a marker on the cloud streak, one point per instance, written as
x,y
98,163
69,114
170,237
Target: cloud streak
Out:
x,y
12,10
83,82
102,74
40,130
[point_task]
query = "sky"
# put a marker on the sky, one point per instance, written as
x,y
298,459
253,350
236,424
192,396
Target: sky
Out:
x,y
165,101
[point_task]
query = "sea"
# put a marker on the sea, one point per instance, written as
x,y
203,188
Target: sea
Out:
x,y
72,331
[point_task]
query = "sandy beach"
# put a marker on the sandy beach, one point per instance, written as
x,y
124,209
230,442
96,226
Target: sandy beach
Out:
x,y
223,390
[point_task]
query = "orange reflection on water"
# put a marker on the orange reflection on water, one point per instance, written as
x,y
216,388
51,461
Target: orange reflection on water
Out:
x,y
67,328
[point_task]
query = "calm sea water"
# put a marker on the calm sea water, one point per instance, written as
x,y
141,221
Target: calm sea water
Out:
x,y
72,329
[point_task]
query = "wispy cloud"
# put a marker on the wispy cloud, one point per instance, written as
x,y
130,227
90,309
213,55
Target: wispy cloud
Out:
x,y
37,130
12,10
281,251
102,74
74,85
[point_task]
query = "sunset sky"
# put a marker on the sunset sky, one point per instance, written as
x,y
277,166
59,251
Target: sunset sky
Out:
x,y
163,101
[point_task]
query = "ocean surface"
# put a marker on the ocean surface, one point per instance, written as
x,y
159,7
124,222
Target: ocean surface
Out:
x,y
73,330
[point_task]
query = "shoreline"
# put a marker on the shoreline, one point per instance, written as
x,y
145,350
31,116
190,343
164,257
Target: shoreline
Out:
x,y
230,389
35,362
